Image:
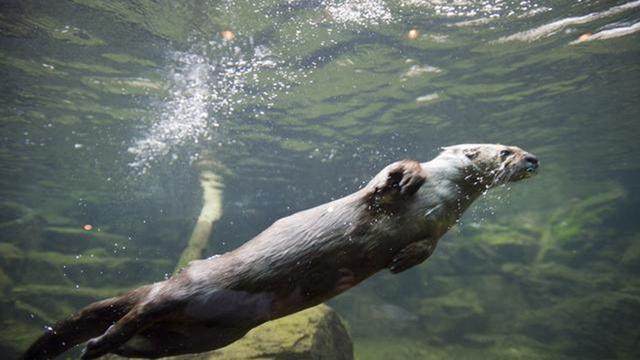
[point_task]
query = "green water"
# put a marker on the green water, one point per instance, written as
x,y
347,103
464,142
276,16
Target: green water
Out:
x,y
106,106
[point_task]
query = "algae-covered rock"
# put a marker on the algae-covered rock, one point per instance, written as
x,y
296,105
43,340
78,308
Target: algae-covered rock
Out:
x,y
313,334
510,242
453,314
316,333
371,316
601,325
457,258
501,347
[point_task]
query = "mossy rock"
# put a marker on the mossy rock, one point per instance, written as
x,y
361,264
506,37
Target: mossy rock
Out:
x,y
499,347
385,348
313,334
509,243
316,333
458,258
602,325
453,315
548,283
370,316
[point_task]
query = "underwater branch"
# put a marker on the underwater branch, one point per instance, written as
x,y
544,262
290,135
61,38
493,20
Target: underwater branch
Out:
x,y
211,212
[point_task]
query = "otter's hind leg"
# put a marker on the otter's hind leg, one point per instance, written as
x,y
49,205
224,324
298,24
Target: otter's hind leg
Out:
x,y
91,321
115,335
138,318
169,339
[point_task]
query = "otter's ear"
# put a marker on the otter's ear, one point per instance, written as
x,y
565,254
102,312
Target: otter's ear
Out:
x,y
471,153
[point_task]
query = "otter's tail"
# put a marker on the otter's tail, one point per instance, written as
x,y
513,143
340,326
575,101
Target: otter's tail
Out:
x,y
86,324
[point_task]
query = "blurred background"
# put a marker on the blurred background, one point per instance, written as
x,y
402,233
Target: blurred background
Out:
x,y
108,106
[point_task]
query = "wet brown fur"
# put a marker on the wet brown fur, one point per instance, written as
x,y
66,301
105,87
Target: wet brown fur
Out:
x,y
301,260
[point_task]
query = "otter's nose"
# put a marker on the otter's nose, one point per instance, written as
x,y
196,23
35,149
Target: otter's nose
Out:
x,y
532,161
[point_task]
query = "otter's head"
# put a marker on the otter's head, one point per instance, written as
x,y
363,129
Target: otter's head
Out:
x,y
493,164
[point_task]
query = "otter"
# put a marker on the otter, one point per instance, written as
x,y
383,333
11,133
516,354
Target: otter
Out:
x,y
394,223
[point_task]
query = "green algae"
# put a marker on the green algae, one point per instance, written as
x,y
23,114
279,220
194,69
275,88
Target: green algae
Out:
x,y
25,22
94,266
43,291
30,67
460,308
123,86
502,347
20,333
75,36
5,282
9,253
575,325
296,145
570,225
19,225
170,20
69,239
128,59
81,67
631,257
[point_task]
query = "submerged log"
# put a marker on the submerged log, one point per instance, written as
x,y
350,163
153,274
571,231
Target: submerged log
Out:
x,y
315,333
211,212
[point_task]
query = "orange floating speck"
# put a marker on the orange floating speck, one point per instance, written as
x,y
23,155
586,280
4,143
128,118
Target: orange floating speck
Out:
x,y
227,35
584,37
413,34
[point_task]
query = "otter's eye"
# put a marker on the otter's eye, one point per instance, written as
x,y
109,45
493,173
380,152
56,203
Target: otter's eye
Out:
x,y
505,153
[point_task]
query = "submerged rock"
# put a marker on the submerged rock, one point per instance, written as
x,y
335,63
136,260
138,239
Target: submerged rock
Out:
x,y
316,333
451,315
601,325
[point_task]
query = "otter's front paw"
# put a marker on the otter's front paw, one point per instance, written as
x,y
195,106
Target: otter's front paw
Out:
x,y
411,255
